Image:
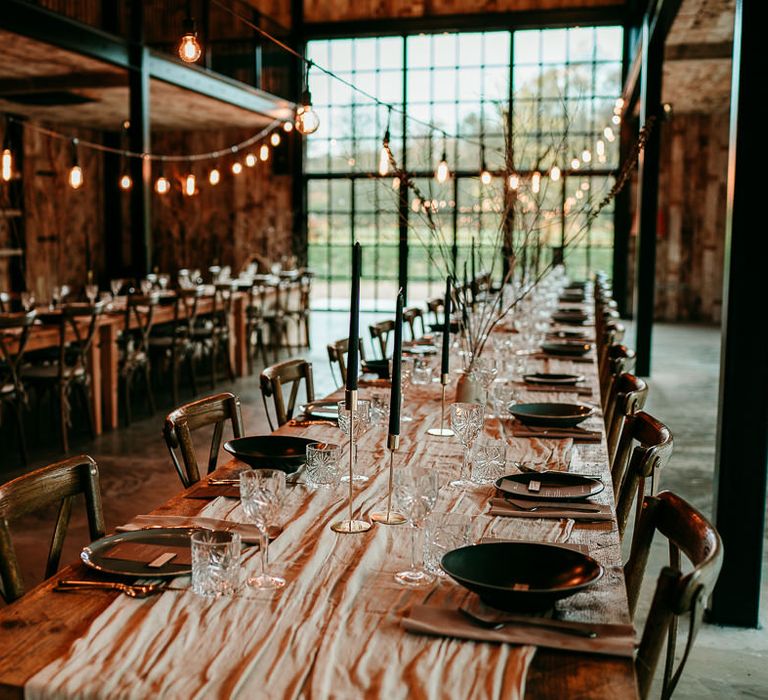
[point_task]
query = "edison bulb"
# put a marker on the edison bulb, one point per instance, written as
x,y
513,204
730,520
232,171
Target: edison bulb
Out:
x,y
214,177
6,165
554,173
264,152
486,177
275,139
189,48
513,181
287,127
395,183
125,182
162,185
250,160
616,119
189,188
586,156
307,121
76,177
383,162
608,133
442,173
600,147
536,182
237,167
575,164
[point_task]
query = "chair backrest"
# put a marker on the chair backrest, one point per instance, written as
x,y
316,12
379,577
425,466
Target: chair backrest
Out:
x,y
435,307
619,359
14,334
676,594
643,451
139,317
628,395
411,315
77,321
337,355
274,378
222,303
613,333
181,423
58,483
380,335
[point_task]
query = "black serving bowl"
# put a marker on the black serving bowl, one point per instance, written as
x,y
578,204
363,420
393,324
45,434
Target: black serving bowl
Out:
x,y
438,327
574,317
566,347
521,576
553,378
284,452
378,367
552,415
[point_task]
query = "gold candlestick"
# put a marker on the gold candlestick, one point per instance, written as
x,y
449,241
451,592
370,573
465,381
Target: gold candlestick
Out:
x,y
390,517
442,431
350,525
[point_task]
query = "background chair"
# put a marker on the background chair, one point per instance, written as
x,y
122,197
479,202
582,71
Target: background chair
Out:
x,y
337,357
628,395
297,307
676,594
133,345
380,333
31,493
211,334
413,317
619,359
289,373
182,422
14,333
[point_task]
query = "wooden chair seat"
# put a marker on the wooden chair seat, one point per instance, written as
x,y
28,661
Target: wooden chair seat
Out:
x,y
32,493
288,373
689,533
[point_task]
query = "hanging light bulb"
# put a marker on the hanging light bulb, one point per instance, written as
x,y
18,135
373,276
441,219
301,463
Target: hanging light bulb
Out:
x,y
6,165
307,121
443,172
608,133
600,147
616,119
125,182
485,176
513,181
214,177
189,47
237,167
275,139
75,172
287,127
586,156
264,152
536,182
395,183
162,185
250,160
384,151
189,188
554,173
575,164
619,102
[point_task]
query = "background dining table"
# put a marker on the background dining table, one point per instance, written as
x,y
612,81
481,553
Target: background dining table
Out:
x,y
336,629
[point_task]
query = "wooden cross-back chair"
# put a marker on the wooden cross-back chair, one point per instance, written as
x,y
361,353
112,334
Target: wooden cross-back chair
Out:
x,y
134,347
613,334
58,483
618,360
411,316
435,307
643,451
676,594
77,324
380,336
211,334
628,395
273,379
179,425
14,334
297,307
337,356
604,315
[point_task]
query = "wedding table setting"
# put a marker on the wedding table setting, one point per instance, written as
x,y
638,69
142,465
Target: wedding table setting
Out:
x,y
428,547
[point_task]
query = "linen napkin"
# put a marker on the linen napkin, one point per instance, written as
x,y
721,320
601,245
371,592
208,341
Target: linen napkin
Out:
x,y
612,639
249,534
576,434
501,507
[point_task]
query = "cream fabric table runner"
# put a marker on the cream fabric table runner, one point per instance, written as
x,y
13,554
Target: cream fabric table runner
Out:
x,y
334,630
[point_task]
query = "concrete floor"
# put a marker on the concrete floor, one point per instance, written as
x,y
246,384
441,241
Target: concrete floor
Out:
x,y
137,475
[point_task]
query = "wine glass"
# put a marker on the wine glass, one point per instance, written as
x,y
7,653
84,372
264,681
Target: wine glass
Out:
x,y
261,495
115,286
146,286
27,301
406,371
91,292
466,422
415,495
361,424
485,370
163,280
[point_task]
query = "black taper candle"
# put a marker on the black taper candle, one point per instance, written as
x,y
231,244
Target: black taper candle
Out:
x,y
353,360
446,327
397,359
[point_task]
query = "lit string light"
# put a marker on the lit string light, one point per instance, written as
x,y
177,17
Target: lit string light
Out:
x,y
443,172
189,49
384,151
75,172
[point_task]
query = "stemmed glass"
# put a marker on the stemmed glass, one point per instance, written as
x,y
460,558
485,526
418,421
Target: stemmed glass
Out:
x,y
115,286
415,495
466,422
486,371
406,371
261,495
362,422
92,291
27,301
146,286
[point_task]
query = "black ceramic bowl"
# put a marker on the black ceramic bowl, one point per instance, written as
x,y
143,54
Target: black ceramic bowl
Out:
x,y
378,367
521,576
566,347
438,327
569,317
284,452
553,378
552,415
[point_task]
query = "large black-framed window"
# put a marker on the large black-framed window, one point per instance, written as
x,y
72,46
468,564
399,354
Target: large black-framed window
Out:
x,y
561,85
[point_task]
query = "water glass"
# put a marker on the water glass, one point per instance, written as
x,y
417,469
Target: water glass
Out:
x,y
379,411
323,467
489,459
215,562
361,423
466,423
444,532
421,375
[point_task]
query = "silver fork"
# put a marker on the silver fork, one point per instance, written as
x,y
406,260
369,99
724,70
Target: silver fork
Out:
x,y
495,623
131,590
532,509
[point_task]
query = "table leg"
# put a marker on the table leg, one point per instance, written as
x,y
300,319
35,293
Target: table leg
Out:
x,y
239,349
94,363
109,376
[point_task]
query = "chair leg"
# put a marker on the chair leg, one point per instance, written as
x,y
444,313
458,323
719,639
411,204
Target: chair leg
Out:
x,y
63,418
214,353
127,398
150,393
175,380
86,400
191,370
228,359
15,407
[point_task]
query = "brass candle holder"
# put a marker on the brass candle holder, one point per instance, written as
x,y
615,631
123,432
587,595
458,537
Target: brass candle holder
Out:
x,y
442,431
350,525
390,517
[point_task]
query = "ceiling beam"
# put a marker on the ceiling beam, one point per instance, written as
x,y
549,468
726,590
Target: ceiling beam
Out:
x,y
69,81
699,51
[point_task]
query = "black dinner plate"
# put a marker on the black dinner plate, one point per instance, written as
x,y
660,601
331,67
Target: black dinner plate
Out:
x,y
569,335
94,555
284,452
438,327
378,367
568,317
553,378
553,415
555,486
521,576
327,410
566,347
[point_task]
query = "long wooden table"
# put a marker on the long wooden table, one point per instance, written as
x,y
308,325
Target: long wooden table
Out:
x,y
334,630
